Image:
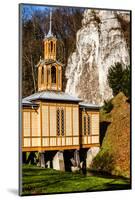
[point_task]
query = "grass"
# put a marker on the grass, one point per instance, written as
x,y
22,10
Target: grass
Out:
x,y
46,181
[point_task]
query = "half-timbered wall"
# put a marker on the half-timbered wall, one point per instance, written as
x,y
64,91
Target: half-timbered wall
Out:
x,y
89,128
40,127
54,137
55,126
31,128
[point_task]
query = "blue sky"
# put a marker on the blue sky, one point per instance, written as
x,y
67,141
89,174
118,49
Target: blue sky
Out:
x,y
29,9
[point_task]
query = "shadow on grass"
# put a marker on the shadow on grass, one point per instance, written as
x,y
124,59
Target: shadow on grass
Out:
x,y
47,181
110,186
106,175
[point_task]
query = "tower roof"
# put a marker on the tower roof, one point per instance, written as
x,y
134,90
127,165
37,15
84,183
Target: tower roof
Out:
x,y
50,61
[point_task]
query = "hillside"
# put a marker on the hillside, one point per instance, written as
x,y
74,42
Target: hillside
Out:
x,y
114,156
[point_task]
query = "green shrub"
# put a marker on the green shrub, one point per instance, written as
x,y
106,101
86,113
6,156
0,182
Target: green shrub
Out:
x,y
108,106
103,162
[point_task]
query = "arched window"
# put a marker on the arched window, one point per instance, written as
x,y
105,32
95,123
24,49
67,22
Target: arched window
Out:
x,y
42,75
51,46
62,122
88,125
58,122
53,74
84,125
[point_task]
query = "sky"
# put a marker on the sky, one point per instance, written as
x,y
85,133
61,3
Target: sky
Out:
x,y
27,10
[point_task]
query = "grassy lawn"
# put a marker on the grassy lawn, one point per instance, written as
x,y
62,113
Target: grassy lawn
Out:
x,y
44,181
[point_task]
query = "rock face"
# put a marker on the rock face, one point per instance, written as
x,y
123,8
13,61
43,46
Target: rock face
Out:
x,y
91,154
58,161
99,44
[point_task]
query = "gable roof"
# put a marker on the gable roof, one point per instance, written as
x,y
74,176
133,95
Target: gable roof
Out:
x,y
50,95
56,96
89,105
28,103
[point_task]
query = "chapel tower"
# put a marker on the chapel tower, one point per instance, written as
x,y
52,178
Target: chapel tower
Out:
x,y
49,69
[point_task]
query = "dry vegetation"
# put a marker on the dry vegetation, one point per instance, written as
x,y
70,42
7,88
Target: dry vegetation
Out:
x,y
114,156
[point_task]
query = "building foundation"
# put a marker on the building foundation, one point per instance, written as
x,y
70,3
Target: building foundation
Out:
x,y
58,161
41,162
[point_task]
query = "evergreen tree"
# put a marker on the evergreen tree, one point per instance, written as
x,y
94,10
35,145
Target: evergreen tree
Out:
x,y
119,79
127,81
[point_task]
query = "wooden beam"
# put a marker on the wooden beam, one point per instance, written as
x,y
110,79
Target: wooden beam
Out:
x,y
90,145
50,77
45,76
39,78
72,123
56,128
41,122
60,129
51,148
22,129
68,136
31,129
56,77
49,123
65,124
61,79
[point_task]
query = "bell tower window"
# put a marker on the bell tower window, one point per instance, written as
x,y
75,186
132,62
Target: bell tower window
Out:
x,y
42,75
51,46
53,74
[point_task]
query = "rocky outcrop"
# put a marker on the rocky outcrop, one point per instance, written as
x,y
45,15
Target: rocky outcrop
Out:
x,y
100,43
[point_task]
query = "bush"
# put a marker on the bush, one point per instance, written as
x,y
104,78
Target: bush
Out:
x,y
103,162
108,106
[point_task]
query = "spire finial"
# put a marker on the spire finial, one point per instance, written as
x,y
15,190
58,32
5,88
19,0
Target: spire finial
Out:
x,y
50,34
50,25
50,30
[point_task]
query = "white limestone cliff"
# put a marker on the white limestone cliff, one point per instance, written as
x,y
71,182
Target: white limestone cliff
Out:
x,y
100,43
